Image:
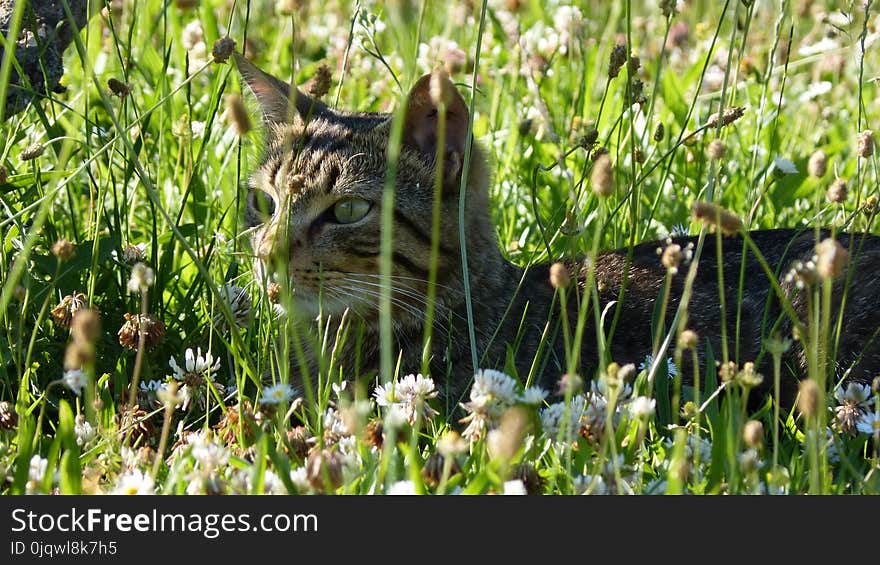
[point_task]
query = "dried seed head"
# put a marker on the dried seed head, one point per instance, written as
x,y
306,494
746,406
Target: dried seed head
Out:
x,y
837,191
669,8
633,65
818,164
274,292
237,115
717,150
118,88
324,470
659,132
688,340
8,416
831,258
870,205
808,398
601,177
618,58
730,115
559,276
63,249
223,49
86,325
136,422
321,82
31,152
132,254
671,257
866,144
63,313
589,139
129,333
374,433
716,217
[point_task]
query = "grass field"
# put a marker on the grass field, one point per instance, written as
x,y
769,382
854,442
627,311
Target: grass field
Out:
x,y
125,195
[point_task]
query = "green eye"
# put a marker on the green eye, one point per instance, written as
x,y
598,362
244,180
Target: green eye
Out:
x,y
350,210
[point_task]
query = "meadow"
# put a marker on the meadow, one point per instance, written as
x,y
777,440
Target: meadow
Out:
x,y
138,354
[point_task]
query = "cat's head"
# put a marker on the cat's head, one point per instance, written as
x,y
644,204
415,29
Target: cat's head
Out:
x,y
315,202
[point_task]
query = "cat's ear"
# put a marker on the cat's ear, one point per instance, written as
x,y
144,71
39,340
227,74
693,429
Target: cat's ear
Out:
x,y
274,95
421,124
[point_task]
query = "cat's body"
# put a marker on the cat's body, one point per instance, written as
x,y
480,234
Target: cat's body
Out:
x,y
324,171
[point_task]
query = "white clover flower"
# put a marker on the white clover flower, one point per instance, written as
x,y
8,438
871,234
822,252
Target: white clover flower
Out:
x,y
240,304
83,430
37,468
134,482
600,386
404,488
75,380
338,388
533,396
300,479
272,483
869,423
208,453
142,277
515,487
493,386
784,166
334,423
642,407
411,394
277,394
855,393
385,395
395,417
195,364
553,417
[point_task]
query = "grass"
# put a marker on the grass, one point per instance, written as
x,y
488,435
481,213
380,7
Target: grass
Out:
x,y
164,169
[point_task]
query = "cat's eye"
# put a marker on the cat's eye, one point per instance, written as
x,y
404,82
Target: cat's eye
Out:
x,y
350,210
262,203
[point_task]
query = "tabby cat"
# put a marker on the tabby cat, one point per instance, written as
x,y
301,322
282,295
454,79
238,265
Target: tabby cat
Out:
x,y
324,171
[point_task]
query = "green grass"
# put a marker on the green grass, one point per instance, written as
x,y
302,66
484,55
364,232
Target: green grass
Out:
x,y
162,167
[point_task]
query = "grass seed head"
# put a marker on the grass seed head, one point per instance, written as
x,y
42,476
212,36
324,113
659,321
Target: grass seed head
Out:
x,y
688,340
616,61
730,115
31,152
716,217
321,82
818,164
63,249
118,88
717,150
837,191
237,115
659,132
831,258
866,144
86,325
601,176
559,276
753,434
808,398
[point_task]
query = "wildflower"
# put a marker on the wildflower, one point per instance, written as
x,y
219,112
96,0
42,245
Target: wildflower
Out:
x,y
855,393
118,88
75,380
852,401
83,430
837,191
559,277
601,176
716,150
207,452
129,333
831,259
869,423
320,82
141,278
671,257
672,370
748,377
136,422
276,394
783,166
802,273
410,394
240,304
716,217
8,416
324,470
195,365
866,144
730,115
491,394
63,313
135,482
515,487
642,407
451,444
533,396
753,434
560,416
31,152
273,291
818,164
223,49
237,115
63,249
374,433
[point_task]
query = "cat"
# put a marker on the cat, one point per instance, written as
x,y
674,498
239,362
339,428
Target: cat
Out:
x,y
324,169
